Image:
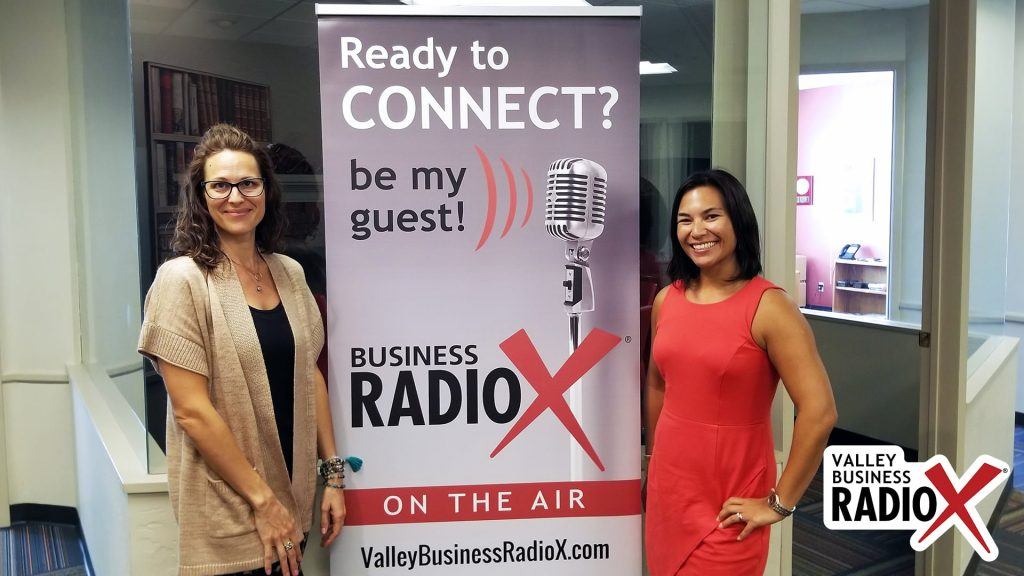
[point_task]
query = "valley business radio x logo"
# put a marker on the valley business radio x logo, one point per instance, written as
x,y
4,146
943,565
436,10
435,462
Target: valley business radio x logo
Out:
x,y
874,488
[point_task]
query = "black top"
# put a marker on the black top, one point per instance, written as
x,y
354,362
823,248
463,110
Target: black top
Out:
x,y
278,345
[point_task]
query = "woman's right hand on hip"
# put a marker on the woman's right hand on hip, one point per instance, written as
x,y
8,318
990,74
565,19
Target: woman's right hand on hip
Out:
x,y
280,536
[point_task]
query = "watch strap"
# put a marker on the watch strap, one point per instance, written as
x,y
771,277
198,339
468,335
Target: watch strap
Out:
x,y
777,507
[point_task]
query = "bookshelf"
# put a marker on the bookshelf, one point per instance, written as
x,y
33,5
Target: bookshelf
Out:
x,y
181,105
861,287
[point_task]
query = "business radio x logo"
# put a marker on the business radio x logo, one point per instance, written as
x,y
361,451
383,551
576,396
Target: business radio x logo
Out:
x,y
874,488
521,351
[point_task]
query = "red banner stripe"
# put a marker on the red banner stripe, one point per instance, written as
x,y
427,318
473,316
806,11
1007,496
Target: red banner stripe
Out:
x,y
414,505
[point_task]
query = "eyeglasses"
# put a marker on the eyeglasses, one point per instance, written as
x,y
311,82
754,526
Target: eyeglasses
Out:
x,y
220,189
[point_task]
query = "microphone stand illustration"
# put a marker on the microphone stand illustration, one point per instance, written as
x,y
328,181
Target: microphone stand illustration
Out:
x,y
574,211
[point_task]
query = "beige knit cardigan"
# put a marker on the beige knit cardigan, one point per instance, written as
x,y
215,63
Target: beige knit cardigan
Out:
x,y
201,322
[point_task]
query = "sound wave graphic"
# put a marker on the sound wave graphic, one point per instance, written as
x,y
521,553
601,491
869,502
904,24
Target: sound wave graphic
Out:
x,y
492,197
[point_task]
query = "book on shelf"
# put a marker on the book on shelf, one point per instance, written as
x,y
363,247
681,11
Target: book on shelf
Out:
x,y
160,167
236,107
170,175
154,98
171,160
177,104
207,109
214,102
166,106
250,122
203,114
193,107
179,169
164,236
187,103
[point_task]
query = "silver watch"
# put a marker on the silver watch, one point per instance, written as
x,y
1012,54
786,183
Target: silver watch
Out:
x,y
777,507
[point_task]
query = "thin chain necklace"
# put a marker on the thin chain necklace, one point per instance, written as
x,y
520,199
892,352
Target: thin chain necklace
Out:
x,y
257,276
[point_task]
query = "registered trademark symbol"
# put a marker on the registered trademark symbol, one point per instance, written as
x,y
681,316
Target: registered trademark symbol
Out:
x,y
1005,471
628,339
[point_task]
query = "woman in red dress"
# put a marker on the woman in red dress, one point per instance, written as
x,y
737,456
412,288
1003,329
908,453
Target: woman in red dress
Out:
x,y
723,336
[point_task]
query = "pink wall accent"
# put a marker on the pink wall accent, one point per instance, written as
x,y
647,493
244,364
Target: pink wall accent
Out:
x,y
845,142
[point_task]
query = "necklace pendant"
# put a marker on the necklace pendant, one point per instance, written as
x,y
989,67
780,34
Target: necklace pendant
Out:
x,y
259,288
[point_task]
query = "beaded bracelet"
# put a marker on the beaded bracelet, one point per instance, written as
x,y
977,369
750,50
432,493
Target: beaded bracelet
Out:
x,y
334,468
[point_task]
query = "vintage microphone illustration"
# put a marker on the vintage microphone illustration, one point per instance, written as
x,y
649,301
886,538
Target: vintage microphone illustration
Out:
x,y
574,211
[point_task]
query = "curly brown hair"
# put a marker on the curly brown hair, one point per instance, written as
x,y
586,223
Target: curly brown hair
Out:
x,y
195,234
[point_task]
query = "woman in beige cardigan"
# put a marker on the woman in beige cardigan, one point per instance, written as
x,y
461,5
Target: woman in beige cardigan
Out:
x,y
235,333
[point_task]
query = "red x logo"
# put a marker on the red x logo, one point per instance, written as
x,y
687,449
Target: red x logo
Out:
x,y
956,502
521,351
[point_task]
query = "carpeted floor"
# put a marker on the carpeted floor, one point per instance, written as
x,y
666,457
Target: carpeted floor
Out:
x,y
1009,536
41,549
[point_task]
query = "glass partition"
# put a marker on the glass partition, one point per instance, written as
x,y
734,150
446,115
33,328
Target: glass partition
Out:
x,y
860,221
250,64
861,159
99,84
991,182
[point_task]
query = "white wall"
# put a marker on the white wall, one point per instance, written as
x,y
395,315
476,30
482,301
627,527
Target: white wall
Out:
x,y
38,297
988,422
106,534
36,223
38,429
877,40
127,519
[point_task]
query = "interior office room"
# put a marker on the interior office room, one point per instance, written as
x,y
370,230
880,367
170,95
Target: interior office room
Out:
x,y
825,108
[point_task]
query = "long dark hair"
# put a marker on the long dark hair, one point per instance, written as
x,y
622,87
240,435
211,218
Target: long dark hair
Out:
x,y
195,234
744,224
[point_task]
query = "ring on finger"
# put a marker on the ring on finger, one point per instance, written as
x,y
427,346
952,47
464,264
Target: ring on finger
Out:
x,y
739,516
288,545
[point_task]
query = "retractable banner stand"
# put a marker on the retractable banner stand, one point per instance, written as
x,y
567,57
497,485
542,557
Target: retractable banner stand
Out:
x,y
481,210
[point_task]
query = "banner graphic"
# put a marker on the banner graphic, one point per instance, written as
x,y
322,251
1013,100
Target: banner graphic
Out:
x,y
481,212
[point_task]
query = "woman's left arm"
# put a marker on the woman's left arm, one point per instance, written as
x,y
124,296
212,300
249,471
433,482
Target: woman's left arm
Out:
x,y
782,331
332,505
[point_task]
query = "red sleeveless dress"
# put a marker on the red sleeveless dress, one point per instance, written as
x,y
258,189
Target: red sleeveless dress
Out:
x,y
714,436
